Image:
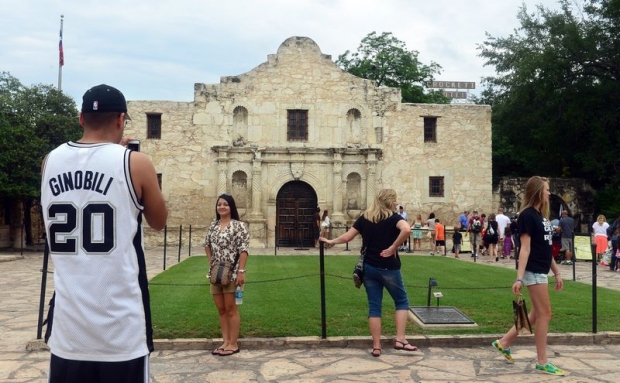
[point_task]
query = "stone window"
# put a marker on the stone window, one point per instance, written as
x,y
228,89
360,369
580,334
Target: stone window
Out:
x,y
430,129
153,125
297,125
435,187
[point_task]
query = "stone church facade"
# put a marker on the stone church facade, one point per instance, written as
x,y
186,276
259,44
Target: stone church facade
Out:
x,y
298,132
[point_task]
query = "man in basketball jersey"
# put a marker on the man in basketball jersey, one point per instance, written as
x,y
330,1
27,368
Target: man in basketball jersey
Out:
x,y
95,194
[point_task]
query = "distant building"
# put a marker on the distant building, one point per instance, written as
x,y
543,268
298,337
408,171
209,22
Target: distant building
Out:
x,y
298,132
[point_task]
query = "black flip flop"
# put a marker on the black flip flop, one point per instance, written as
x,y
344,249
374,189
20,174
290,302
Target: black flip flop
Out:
x,y
404,345
226,352
376,355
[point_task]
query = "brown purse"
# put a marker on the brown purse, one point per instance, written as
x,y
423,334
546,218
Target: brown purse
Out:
x,y
222,272
522,321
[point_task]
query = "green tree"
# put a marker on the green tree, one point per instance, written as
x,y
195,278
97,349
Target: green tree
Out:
x,y
33,121
554,93
386,60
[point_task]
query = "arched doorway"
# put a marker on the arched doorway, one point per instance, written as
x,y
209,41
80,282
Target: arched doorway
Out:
x,y
295,206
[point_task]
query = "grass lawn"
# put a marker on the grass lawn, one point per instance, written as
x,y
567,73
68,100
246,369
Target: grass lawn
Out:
x,y
282,298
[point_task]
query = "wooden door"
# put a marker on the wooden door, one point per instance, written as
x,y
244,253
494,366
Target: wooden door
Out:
x,y
295,206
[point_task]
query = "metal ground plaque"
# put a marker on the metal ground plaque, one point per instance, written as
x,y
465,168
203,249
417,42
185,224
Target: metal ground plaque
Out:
x,y
440,315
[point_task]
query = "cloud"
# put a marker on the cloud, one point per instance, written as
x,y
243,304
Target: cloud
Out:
x,y
158,49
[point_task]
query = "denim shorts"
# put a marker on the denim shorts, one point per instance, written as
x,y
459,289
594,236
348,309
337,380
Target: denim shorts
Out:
x,y
375,279
530,278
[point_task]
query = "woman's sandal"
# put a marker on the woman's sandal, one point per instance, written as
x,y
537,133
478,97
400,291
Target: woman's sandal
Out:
x,y
376,352
404,346
217,351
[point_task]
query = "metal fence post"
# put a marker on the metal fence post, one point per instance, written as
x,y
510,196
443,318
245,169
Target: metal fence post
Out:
x,y
165,244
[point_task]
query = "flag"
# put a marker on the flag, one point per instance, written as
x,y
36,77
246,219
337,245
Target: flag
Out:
x,y
61,54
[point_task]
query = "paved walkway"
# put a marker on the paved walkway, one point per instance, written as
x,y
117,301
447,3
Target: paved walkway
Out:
x,y
588,357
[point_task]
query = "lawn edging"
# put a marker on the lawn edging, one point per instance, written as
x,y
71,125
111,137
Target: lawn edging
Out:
x,y
423,341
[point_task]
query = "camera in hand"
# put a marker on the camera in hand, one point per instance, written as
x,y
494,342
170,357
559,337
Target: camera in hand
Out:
x,y
134,145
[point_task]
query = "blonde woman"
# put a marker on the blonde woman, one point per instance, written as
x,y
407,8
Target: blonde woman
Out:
x,y
600,235
382,232
535,261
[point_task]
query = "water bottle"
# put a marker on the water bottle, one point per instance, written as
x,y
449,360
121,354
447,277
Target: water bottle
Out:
x,y
239,296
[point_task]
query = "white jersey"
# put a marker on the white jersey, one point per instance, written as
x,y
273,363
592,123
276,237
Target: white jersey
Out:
x,y
93,220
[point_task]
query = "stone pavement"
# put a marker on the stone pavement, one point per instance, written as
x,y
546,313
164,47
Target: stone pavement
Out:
x,y
588,357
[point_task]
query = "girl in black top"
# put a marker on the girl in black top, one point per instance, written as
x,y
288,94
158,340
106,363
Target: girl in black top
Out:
x,y
382,232
535,261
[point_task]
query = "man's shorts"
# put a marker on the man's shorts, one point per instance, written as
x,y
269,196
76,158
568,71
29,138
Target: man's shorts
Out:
x,y
79,371
440,243
567,244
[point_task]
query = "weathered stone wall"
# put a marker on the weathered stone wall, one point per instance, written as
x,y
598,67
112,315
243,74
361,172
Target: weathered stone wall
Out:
x,y
361,138
573,194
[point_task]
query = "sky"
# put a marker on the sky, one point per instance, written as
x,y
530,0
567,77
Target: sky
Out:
x,y
158,49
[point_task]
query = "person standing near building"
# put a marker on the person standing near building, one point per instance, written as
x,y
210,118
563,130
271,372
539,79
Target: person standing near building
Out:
x,y
440,237
417,233
474,227
491,237
464,220
95,194
325,224
403,213
502,222
382,232
227,239
430,222
600,235
567,226
457,238
535,261
316,226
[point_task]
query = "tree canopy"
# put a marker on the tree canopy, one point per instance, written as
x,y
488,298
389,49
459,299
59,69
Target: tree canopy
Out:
x,y
387,61
33,121
554,93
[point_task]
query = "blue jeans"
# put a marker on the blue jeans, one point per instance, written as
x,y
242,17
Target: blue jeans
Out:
x,y
375,279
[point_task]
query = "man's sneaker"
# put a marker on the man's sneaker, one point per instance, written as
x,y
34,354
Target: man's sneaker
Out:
x,y
504,351
432,254
550,369
568,262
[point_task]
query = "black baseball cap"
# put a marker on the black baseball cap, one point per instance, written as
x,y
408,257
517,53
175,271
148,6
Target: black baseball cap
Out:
x,y
104,98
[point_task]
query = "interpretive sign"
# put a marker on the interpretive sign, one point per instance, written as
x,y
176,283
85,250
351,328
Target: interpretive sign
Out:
x,y
583,246
440,315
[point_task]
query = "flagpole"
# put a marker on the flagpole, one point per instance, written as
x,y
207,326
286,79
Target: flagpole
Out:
x,y
61,59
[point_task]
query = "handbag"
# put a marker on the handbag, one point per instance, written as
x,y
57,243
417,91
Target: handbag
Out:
x,y
522,321
358,270
222,272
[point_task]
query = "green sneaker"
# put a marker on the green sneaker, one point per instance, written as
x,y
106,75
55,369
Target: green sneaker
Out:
x,y
550,369
504,352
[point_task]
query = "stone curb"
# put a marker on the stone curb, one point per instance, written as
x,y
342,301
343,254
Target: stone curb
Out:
x,y
455,341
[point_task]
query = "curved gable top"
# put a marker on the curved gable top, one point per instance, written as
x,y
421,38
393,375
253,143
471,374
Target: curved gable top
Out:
x,y
299,45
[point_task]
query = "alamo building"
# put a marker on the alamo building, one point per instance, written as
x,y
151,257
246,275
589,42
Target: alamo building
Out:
x,y
297,132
